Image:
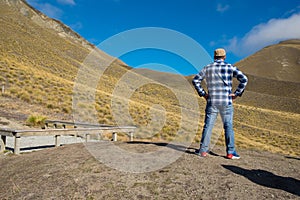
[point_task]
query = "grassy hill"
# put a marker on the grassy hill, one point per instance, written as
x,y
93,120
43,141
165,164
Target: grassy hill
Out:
x,y
40,59
274,74
278,62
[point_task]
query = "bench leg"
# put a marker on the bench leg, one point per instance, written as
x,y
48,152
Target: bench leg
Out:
x,y
2,143
114,136
57,140
87,137
17,145
131,136
99,136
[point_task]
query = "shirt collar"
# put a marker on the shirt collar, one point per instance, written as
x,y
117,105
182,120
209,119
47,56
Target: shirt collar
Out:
x,y
219,60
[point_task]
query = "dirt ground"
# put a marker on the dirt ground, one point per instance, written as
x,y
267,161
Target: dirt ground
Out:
x,y
71,172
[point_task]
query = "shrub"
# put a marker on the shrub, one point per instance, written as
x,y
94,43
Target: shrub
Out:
x,y
24,95
50,106
66,110
34,120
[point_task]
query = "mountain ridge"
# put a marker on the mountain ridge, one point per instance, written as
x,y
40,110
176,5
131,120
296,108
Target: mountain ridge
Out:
x,y
43,20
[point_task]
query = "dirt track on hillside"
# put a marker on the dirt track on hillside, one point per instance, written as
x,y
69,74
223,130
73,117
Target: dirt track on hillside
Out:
x,y
71,172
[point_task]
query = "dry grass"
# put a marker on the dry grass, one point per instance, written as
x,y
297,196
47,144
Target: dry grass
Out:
x,y
39,69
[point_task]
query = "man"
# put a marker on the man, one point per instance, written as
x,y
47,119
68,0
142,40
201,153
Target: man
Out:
x,y
218,76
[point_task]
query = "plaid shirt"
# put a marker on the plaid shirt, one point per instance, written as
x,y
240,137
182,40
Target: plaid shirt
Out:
x,y
218,76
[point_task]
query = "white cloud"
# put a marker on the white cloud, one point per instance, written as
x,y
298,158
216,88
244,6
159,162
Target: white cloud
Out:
x,y
222,8
265,34
76,26
51,11
47,9
67,2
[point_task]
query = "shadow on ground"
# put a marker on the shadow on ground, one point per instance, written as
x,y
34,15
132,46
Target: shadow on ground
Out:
x,y
177,147
290,157
268,179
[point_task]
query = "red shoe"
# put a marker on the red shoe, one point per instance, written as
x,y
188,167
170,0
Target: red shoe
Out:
x,y
233,156
203,154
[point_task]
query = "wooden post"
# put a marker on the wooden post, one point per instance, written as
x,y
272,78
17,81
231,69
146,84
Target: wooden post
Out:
x,y
57,140
76,135
2,143
17,145
131,136
87,137
114,136
99,136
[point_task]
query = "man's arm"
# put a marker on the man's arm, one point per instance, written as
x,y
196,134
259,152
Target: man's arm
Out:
x,y
242,78
197,84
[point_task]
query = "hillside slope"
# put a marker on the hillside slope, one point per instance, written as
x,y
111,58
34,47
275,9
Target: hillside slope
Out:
x,y
40,59
274,77
280,62
40,62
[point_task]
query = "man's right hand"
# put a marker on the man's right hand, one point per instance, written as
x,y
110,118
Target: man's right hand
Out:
x,y
206,96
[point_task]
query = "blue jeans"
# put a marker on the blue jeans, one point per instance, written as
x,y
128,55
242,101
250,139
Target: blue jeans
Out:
x,y
211,113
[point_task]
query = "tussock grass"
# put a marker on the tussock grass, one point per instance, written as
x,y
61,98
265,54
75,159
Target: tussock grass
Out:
x,y
39,69
36,121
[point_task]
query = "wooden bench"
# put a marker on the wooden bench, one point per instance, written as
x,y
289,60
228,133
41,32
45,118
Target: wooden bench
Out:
x,y
86,130
64,124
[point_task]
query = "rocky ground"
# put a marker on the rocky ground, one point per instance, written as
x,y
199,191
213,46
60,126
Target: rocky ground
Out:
x,y
71,172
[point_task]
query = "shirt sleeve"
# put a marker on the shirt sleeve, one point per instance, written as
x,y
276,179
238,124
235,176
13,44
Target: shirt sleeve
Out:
x,y
242,78
197,83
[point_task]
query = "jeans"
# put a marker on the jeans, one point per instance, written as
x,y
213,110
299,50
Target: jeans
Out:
x,y
211,113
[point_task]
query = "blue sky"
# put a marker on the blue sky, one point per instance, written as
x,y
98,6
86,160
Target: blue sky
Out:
x,y
241,26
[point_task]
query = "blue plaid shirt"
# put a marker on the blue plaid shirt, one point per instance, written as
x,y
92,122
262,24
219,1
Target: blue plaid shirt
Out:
x,y
218,76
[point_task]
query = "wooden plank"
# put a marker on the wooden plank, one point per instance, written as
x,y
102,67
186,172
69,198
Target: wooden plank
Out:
x,y
72,131
47,122
119,128
7,132
51,133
